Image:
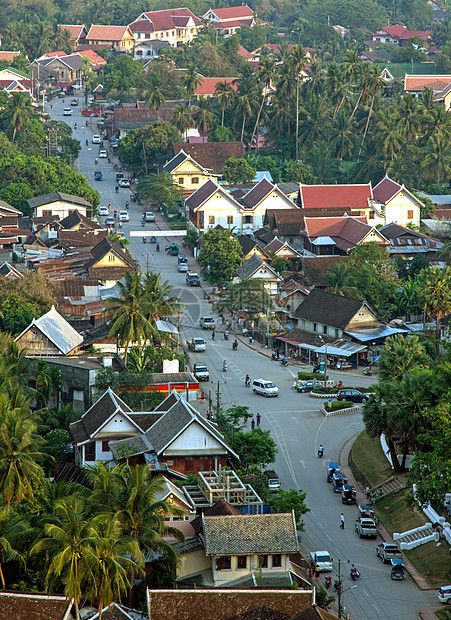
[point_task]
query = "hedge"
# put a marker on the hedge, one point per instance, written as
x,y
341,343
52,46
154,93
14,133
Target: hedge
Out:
x,y
341,404
326,390
305,376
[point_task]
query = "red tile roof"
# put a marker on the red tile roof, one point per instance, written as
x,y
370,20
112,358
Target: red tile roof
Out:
x,y
419,82
75,31
327,226
208,85
386,189
231,23
164,20
9,56
401,33
94,58
242,51
211,155
106,33
325,196
142,25
233,12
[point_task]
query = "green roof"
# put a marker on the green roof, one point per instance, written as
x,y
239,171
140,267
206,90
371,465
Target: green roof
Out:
x,y
18,72
399,69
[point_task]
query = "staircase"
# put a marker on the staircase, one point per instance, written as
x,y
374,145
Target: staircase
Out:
x,y
388,487
415,538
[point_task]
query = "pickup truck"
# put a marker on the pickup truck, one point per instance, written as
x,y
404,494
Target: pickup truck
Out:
x,y
388,551
366,527
321,560
273,480
196,344
192,279
200,371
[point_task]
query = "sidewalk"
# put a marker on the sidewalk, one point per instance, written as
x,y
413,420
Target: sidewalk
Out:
x,y
361,499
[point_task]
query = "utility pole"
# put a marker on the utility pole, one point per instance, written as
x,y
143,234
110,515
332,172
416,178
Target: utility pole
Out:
x,y
218,402
339,588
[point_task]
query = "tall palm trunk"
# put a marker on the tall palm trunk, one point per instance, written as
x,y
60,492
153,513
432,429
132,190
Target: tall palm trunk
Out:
x,y
297,118
366,126
222,116
394,458
257,121
242,129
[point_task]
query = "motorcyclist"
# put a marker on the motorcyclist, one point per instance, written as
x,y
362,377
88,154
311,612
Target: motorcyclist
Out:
x,y
116,189
320,450
96,161
354,573
224,366
126,204
284,361
235,345
247,381
75,125
157,247
87,142
226,335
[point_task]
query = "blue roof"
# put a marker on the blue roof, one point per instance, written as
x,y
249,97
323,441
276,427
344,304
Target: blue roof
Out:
x,y
374,334
263,174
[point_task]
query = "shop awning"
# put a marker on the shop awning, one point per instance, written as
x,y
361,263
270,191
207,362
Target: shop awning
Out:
x,y
374,334
349,348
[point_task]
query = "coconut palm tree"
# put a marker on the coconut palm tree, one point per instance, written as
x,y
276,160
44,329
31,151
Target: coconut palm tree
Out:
x,y
13,529
71,538
322,164
434,291
342,283
190,81
203,116
314,119
298,62
244,100
20,472
160,298
437,158
343,134
409,118
375,85
181,119
388,134
223,94
17,112
154,95
131,313
266,75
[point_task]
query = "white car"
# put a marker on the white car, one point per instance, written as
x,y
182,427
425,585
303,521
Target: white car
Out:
x,y
124,182
123,216
444,594
67,112
265,388
96,139
150,217
103,211
183,267
103,153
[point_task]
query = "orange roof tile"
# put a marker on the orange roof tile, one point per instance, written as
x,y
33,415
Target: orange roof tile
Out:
x,y
326,196
208,85
106,33
418,82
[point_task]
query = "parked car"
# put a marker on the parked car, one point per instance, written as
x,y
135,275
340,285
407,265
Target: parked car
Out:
x,y
366,511
308,386
353,395
103,153
103,211
67,112
123,216
124,182
332,467
397,569
96,139
265,387
150,216
388,551
366,527
200,371
110,221
207,322
444,594
98,175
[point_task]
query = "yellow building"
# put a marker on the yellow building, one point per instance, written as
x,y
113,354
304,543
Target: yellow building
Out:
x,y
175,26
119,37
187,173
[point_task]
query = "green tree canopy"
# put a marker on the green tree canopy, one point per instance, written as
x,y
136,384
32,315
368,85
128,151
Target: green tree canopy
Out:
x,y
220,256
146,147
238,170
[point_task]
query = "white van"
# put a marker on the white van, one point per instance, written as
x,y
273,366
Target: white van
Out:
x,y
265,387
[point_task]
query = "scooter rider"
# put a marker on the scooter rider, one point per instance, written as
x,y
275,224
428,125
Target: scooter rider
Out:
x,y
320,451
247,381
284,361
224,366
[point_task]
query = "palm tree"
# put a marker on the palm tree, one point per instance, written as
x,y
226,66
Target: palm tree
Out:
x,y
437,160
17,112
71,538
223,94
190,81
131,313
399,356
410,121
341,281
314,119
114,566
203,116
161,301
181,119
298,61
13,529
375,85
20,472
245,100
266,74
343,134
388,134
154,94
161,189
434,291
322,164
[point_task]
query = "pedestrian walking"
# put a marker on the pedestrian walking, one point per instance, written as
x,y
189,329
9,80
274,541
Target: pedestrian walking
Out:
x,y
208,415
342,521
202,397
258,419
367,493
213,335
250,339
252,424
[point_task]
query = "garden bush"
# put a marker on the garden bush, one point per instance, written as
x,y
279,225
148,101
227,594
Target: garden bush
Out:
x,y
305,376
341,404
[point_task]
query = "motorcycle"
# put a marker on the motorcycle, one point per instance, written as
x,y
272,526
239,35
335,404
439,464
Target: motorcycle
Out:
x,y
116,189
226,335
328,582
284,363
235,345
355,574
87,142
368,372
224,366
320,453
157,247
96,161
142,223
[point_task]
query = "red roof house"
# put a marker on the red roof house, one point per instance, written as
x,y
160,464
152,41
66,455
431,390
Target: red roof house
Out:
x,y
335,196
398,35
208,85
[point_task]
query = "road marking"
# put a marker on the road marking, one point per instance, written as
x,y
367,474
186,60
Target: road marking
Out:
x,y
280,439
302,463
328,537
295,419
321,525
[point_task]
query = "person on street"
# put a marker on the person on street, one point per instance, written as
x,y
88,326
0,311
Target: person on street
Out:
x,y
342,521
259,417
213,335
250,339
247,381
252,424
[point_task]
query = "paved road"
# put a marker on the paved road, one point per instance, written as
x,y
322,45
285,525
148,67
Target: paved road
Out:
x,y
294,420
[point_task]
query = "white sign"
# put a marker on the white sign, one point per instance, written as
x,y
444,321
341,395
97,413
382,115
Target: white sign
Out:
x,y
158,233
